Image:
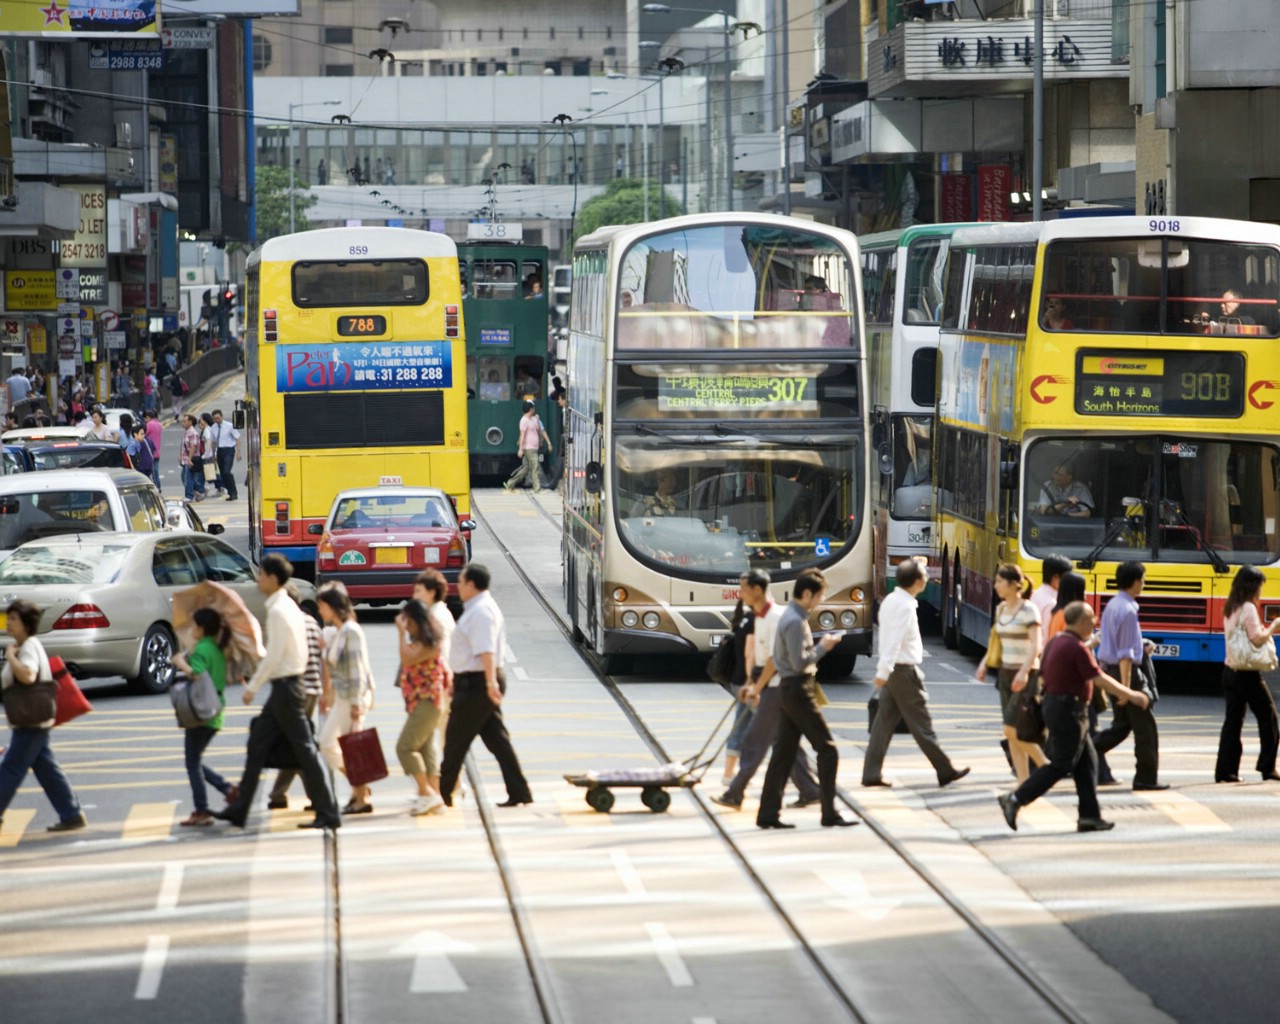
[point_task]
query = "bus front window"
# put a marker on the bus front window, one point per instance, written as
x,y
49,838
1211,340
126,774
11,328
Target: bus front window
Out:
x,y
697,512
1163,498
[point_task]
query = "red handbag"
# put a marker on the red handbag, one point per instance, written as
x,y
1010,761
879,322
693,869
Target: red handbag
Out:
x,y
72,703
362,757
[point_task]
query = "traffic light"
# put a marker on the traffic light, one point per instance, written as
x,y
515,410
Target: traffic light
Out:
x,y
228,294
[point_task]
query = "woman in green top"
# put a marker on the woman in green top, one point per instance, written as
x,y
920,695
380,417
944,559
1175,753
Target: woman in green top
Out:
x,y
208,655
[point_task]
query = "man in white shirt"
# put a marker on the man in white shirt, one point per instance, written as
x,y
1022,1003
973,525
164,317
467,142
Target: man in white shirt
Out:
x,y
762,691
901,682
475,654
226,441
285,712
1045,596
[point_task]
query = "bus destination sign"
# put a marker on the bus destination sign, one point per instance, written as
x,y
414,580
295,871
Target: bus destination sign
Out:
x,y
1192,384
736,392
356,366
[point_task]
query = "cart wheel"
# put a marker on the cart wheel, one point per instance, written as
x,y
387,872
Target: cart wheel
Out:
x,y
600,799
591,800
655,798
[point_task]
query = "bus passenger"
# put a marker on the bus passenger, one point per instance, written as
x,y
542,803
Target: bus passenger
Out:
x,y
493,389
1055,315
1230,307
1064,495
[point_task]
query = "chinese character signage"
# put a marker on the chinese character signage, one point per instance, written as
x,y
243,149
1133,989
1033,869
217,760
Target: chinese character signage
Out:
x,y
1183,384
69,18
30,290
396,366
736,393
495,335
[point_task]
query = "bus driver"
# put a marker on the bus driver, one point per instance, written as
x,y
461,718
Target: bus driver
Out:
x,y
1064,495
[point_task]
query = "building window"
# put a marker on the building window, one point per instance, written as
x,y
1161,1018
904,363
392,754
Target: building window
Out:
x,y
499,33
338,35
579,31
261,53
339,70
479,35
526,33
553,31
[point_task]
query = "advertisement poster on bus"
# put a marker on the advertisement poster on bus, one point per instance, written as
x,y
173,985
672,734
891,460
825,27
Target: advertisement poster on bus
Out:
x,y
80,18
364,367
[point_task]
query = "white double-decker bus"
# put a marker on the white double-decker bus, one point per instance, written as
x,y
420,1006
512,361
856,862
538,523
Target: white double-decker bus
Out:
x,y
718,422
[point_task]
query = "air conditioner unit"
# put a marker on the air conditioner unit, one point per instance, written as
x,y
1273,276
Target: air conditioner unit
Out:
x,y
124,134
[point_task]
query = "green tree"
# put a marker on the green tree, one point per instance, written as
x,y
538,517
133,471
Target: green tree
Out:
x,y
622,202
271,187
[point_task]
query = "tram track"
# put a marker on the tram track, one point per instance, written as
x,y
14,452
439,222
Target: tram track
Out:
x,y
1051,998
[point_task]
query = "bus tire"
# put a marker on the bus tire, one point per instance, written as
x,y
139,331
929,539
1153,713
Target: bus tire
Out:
x,y
837,665
619,664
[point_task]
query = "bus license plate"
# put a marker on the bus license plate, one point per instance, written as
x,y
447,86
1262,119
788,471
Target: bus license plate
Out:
x,y
391,556
1167,651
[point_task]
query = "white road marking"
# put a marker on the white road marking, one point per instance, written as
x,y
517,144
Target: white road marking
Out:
x,y
432,969
665,946
855,895
631,880
519,672
703,1020
152,967
170,887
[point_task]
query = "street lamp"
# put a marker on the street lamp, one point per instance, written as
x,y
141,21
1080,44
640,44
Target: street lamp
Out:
x,y
728,85
292,108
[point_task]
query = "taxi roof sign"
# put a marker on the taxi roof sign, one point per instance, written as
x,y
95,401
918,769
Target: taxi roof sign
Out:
x,y
390,481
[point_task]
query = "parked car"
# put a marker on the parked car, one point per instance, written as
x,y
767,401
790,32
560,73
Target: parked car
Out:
x,y
377,539
75,454
35,505
46,434
106,596
182,515
16,459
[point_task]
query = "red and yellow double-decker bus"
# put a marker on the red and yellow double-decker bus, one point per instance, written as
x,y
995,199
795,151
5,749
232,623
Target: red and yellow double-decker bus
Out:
x,y
1110,391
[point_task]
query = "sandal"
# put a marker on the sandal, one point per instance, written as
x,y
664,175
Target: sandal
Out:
x,y
355,808
197,819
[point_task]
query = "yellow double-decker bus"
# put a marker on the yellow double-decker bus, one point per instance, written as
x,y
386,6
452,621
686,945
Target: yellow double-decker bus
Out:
x,y
1110,391
355,364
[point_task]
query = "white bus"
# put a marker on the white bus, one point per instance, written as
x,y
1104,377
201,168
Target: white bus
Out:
x,y
717,422
903,278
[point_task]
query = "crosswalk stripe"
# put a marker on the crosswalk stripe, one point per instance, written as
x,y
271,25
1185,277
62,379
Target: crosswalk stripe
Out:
x,y
1192,815
1043,816
149,821
15,824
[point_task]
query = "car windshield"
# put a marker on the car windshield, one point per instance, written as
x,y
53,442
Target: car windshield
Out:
x,y
88,562
79,457
697,507
390,511
29,516
1153,498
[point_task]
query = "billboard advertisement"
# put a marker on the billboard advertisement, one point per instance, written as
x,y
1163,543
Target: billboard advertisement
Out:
x,y
80,18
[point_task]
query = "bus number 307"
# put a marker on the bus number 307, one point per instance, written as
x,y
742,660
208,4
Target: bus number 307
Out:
x,y
787,389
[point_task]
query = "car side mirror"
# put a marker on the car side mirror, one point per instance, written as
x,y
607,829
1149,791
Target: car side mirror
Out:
x,y
315,529
215,528
467,524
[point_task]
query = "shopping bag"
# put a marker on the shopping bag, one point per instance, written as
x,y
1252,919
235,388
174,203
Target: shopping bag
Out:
x,y
195,701
71,701
362,757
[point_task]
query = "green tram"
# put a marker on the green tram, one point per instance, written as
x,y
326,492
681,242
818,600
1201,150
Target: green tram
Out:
x,y
504,307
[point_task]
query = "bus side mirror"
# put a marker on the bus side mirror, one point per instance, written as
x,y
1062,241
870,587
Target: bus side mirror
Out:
x,y
1009,476
886,460
595,477
238,419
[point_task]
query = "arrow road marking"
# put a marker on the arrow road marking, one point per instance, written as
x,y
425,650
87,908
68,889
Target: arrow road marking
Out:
x,y
432,969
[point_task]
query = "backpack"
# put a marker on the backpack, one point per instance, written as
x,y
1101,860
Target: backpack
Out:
x,y
183,385
144,458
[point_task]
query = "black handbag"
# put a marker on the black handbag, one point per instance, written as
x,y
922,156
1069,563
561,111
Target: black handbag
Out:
x,y
29,706
873,709
1029,722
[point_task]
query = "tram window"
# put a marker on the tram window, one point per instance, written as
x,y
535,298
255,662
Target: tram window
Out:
x,y
495,279
494,376
529,377
533,279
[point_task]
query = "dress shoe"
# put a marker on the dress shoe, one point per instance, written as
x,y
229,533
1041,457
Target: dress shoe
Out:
x,y
1229,778
68,824
839,822
1009,805
319,823
1094,825
1149,787
233,795
1271,776
724,800
277,803
805,801
883,783
354,808
955,776
1110,781
775,823
231,819
516,803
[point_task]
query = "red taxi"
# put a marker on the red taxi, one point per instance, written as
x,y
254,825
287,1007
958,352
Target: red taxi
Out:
x,y
377,539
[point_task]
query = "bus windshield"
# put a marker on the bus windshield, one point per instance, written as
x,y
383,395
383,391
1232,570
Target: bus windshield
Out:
x,y
359,283
926,265
1161,285
700,507
1153,497
735,286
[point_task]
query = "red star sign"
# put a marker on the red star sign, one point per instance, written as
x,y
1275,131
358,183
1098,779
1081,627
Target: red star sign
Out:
x,y
53,13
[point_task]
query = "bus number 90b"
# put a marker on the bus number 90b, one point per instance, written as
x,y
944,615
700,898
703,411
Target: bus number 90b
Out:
x,y
1206,387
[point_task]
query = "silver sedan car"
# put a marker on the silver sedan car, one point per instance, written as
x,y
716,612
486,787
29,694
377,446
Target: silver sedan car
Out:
x,y
106,597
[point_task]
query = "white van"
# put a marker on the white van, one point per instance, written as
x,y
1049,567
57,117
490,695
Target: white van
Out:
x,y
77,501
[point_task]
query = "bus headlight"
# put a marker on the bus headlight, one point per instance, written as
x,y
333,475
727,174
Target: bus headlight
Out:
x,y
651,620
848,619
630,619
827,620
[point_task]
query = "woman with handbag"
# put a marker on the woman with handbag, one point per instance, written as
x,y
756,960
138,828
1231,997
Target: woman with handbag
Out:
x,y
209,654
348,691
425,687
1250,652
1017,623
30,692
